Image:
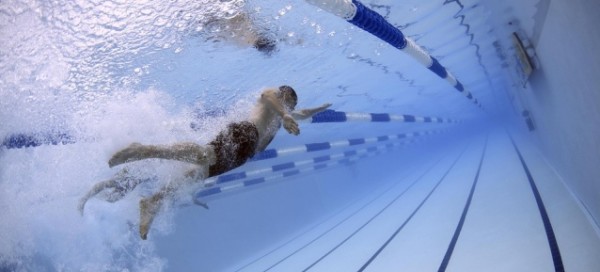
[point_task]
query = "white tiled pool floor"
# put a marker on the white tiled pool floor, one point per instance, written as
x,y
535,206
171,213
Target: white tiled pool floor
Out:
x,y
472,210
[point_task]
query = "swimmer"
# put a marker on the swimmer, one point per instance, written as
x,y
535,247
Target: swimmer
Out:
x,y
242,30
230,149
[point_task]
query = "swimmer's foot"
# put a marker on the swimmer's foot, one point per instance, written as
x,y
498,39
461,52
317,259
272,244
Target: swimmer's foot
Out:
x,y
134,152
200,203
149,207
99,187
81,205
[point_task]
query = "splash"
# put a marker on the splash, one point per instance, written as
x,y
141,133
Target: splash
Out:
x,y
41,186
74,66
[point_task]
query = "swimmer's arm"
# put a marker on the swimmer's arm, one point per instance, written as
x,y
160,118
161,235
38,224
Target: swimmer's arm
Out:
x,y
269,99
307,113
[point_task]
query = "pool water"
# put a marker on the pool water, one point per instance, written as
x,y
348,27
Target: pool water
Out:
x,y
80,80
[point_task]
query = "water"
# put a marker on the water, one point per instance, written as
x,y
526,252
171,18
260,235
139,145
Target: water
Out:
x,y
108,73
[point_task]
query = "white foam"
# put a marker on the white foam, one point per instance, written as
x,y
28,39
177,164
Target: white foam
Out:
x,y
59,75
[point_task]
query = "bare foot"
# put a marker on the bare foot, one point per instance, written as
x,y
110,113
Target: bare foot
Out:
x,y
200,203
99,187
148,209
131,153
81,205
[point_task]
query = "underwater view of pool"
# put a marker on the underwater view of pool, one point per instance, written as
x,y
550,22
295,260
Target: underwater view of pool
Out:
x,y
422,161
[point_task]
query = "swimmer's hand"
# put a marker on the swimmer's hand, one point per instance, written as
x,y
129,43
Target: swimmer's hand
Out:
x,y
290,124
323,107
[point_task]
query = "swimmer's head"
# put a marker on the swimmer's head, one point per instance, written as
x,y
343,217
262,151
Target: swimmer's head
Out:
x,y
289,96
265,44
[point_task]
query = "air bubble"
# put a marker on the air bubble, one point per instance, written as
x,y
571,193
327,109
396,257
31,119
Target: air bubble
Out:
x,y
147,11
161,21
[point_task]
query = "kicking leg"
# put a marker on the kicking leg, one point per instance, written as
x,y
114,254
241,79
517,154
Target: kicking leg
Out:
x,y
121,184
150,206
186,152
99,187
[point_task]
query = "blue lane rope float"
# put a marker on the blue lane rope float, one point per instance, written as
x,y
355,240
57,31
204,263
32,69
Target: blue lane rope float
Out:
x,y
225,178
211,191
313,147
249,178
361,16
24,140
288,168
330,116
215,185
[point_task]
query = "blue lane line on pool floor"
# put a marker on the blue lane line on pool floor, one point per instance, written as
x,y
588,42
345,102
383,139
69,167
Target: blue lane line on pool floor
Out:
x,y
554,249
373,217
461,222
352,214
374,256
417,180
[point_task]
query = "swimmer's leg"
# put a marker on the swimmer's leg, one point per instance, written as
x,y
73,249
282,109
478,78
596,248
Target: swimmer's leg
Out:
x,y
121,183
185,152
99,187
150,206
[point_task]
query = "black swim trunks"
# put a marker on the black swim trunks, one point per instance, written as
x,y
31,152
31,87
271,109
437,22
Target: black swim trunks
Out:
x,y
233,147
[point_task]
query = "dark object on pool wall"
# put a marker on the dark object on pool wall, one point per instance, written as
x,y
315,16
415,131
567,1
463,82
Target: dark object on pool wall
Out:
x,y
525,55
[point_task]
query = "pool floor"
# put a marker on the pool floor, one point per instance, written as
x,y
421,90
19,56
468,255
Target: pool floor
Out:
x,y
476,209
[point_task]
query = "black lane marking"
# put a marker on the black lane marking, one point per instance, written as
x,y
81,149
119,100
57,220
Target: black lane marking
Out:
x,y
556,257
341,222
411,216
464,214
371,219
